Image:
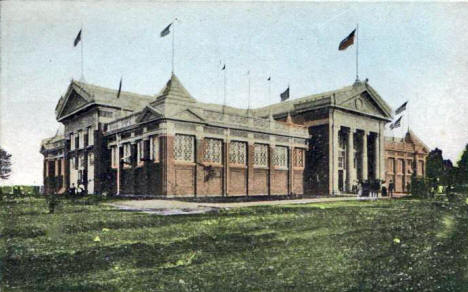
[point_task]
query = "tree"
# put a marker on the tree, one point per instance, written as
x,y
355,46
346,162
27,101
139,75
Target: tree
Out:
x,y
463,167
5,164
435,166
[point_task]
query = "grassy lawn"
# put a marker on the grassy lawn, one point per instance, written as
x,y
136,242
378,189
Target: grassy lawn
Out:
x,y
387,245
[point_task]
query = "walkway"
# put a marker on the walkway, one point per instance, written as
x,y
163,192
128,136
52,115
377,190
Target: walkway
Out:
x,y
174,207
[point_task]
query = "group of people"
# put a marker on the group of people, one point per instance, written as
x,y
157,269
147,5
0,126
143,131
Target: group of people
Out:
x,y
372,188
80,190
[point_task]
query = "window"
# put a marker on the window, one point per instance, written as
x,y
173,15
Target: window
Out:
x,y
90,136
280,157
72,141
184,148
238,153
140,152
81,161
409,166
81,139
90,159
298,157
127,154
154,148
341,159
213,151
261,155
114,162
420,170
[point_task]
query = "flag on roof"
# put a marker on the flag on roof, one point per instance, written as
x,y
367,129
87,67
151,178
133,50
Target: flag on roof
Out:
x,y
401,109
285,95
120,88
77,39
396,124
348,41
166,31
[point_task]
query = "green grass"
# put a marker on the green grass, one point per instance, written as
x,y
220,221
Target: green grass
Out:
x,y
399,245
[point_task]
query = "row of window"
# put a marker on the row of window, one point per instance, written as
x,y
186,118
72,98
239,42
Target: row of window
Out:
x,y
78,162
184,151
400,165
82,139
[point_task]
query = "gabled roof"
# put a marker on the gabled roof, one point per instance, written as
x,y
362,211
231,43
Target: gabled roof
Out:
x,y
329,98
93,94
411,137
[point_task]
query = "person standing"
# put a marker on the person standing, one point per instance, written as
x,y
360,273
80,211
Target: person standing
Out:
x,y
391,188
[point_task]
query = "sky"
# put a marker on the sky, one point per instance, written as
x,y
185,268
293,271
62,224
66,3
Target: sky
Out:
x,y
414,52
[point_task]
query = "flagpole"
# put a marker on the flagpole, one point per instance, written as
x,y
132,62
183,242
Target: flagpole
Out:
x,y
357,52
224,103
248,101
173,36
82,66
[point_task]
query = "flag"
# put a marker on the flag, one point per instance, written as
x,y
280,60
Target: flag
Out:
x,y
401,109
348,41
120,88
269,78
77,39
224,67
166,31
396,124
285,94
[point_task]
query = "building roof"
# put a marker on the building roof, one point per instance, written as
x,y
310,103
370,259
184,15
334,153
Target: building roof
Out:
x,y
329,98
93,94
55,141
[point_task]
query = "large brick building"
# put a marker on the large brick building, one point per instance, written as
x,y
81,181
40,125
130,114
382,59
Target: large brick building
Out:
x,y
170,144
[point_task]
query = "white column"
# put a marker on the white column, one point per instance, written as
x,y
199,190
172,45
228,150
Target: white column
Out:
x,y
364,156
336,147
376,157
351,173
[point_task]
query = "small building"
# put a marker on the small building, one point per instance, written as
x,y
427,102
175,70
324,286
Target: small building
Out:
x,y
54,163
404,157
171,145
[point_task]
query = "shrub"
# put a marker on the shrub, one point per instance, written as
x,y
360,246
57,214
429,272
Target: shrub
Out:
x,y
420,188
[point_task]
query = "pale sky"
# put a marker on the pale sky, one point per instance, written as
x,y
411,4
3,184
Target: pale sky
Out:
x,y
409,51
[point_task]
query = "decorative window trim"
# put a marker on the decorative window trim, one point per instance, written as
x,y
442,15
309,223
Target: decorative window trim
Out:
x,y
299,158
281,157
213,151
261,156
184,148
238,153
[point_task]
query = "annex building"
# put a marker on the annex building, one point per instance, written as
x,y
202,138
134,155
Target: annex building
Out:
x,y
169,144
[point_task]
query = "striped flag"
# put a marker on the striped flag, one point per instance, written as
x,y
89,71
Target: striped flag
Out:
x,y
77,39
396,124
348,41
401,109
166,31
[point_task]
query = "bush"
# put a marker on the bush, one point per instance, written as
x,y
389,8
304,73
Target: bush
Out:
x,y
420,188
